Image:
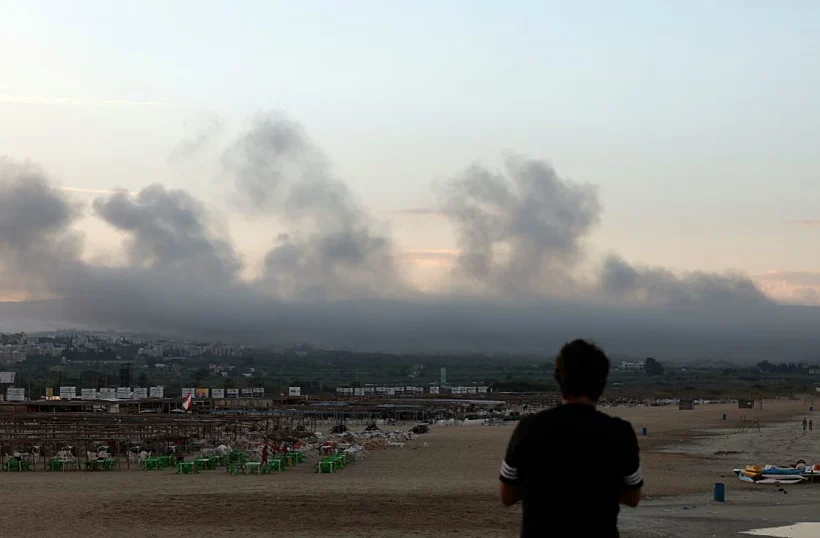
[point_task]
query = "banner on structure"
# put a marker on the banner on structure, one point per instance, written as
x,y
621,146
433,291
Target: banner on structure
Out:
x,y
15,395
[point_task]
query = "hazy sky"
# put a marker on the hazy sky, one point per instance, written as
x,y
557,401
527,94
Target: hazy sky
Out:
x,y
698,121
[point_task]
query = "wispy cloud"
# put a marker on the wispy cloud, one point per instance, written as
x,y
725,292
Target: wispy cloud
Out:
x,y
805,222
44,100
420,211
95,191
791,287
804,278
191,146
430,255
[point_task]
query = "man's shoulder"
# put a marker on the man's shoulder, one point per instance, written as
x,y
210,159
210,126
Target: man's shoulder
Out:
x,y
559,414
542,416
536,421
617,424
562,412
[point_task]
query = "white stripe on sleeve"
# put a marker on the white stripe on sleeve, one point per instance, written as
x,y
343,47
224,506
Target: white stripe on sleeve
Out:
x,y
510,473
634,478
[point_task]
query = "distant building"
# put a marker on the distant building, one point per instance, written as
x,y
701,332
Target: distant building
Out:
x,y
151,351
632,366
48,350
12,354
221,369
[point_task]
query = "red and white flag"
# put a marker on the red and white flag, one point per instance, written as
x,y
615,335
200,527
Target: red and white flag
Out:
x,y
186,405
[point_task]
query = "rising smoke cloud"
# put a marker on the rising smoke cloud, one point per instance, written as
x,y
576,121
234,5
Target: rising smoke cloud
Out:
x,y
656,286
168,230
519,231
332,275
330,248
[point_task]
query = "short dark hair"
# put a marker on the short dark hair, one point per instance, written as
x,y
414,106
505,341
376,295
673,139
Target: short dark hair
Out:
x,y
581,369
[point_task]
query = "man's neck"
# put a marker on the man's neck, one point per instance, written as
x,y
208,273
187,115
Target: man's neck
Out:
x,y
578,400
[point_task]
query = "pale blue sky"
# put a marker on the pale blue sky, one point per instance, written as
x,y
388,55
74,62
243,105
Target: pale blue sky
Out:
x,y
699,120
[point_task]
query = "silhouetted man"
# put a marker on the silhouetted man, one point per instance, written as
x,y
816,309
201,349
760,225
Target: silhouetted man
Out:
x,y
573,465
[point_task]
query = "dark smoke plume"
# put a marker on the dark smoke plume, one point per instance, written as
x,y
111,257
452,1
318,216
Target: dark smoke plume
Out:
x,y
331,275
330,248
519,231
655,286
168,231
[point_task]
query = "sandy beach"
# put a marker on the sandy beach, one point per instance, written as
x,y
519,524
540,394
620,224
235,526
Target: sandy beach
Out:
x,y
445,483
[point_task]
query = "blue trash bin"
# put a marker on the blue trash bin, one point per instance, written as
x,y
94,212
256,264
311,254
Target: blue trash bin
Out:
x,y
719,493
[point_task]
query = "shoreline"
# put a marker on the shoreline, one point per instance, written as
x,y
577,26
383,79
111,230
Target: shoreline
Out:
x,y
682,505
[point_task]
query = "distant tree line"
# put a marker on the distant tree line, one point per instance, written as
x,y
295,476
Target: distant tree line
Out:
x,y
782,368
653,367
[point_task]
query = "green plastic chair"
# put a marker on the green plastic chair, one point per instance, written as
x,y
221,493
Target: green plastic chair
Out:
x,y
327,465
253,467
18,465
236,462
338,460
186,467
234,467
56,464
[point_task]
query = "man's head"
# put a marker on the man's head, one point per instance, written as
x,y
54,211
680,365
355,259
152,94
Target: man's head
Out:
x,y
581,369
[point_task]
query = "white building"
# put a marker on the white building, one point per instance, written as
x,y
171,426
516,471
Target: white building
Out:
x,y
632,366
12,354
150,351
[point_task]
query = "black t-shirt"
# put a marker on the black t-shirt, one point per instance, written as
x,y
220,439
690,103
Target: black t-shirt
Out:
x,y
571,463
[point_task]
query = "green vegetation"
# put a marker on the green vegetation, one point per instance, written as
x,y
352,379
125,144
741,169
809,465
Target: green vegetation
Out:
x,y
653,367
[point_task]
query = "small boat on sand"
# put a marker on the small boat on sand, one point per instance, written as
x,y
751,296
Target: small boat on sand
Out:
x,y
771,474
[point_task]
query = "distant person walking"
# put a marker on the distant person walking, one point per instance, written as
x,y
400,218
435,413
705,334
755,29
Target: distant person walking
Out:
x,y
550,453
805,425
811,425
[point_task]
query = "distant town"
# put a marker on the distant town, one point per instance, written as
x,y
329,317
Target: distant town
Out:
x,y
77,364
85,364
16,347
